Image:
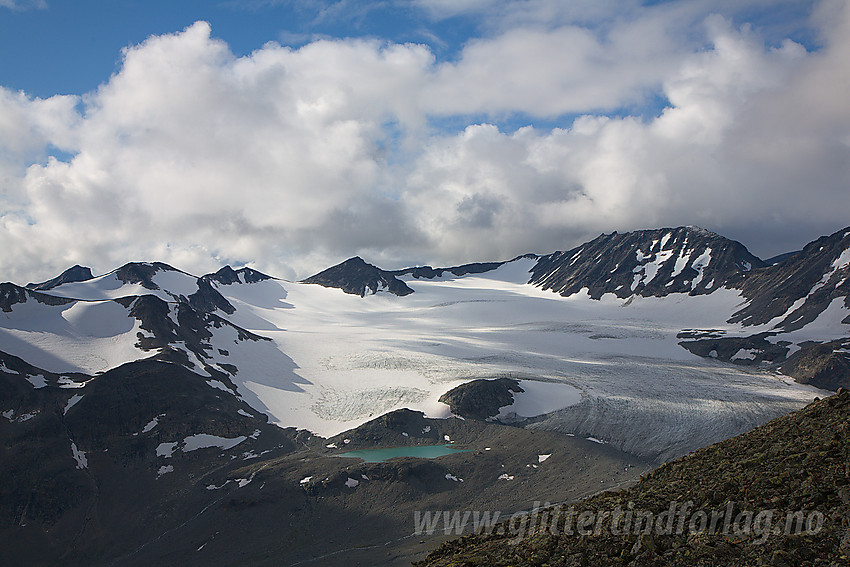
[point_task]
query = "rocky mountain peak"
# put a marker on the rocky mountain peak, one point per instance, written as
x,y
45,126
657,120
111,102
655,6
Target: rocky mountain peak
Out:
x,y
654,262
142,273
227,276
73,274
357,277
801,287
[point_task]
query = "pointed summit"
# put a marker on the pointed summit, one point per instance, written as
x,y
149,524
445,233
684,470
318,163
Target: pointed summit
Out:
x,y
73,274
228,275
142,273
357,277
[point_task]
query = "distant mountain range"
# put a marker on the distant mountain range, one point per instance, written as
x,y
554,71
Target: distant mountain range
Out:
x,y
780,296
139,405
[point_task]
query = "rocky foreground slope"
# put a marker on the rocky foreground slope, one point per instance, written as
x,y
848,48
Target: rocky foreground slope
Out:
x,y
778,495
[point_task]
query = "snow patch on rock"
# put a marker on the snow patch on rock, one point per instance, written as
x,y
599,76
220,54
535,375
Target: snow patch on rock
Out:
x,y
166,449
74,400
79,457
37,381
204,441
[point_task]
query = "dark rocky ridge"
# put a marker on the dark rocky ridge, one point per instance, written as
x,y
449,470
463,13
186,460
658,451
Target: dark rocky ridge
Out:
x,y
357,277
480,399
824,365
759,349
796,463
228,276
689,260
427,272
11,294
55,511
778,259
142,273
812,276
207,299
192,330
73,274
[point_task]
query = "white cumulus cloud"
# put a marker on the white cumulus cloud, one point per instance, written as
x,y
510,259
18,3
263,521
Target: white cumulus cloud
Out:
x,y
290,159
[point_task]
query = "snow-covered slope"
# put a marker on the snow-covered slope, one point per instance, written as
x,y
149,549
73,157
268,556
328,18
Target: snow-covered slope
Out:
x,y
79,336
156,279
365,357
591,361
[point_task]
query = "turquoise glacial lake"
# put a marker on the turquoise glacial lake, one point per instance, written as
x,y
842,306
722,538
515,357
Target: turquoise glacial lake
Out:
x,y
419,451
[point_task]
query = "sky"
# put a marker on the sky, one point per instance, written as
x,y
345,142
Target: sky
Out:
x,y
290,135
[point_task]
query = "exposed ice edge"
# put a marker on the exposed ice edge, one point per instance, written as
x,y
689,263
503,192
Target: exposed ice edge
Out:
x,y
662,430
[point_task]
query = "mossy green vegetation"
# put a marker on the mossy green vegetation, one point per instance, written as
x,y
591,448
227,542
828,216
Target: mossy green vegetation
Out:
x,y
778,495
